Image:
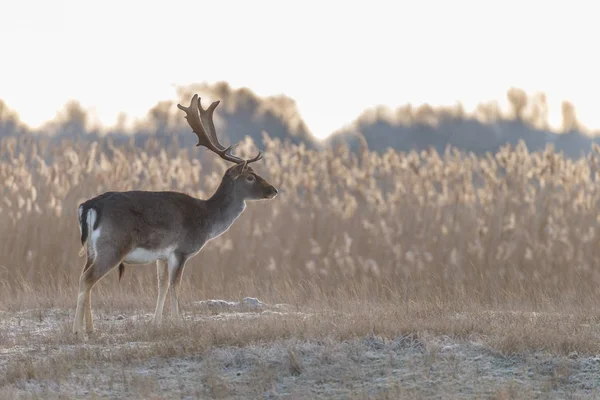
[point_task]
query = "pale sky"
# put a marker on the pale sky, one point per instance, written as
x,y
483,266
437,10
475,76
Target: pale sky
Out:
x,y
335,58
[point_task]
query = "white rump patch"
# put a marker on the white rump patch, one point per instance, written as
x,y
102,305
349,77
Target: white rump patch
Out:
x,y
91,219
79,212
93,235
93,241
146,256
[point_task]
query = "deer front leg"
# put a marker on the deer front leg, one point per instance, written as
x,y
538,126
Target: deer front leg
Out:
x,y
176,265
163,287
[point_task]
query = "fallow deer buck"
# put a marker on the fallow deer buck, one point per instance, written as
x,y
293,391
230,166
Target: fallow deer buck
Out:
x,y
141,227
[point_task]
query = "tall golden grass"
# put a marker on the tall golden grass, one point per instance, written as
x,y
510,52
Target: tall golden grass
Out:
x,y
409,248
507,228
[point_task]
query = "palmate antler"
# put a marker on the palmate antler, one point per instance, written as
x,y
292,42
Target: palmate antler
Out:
x,y
201,122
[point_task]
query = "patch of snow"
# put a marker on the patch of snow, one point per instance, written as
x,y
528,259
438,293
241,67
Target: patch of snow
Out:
x,y
247,303
253,302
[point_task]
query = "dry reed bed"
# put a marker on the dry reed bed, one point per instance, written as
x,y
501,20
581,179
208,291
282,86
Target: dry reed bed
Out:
x,y
511,230
499,250
512,226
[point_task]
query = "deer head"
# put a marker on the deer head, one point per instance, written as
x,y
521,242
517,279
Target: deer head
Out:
x,y
247,183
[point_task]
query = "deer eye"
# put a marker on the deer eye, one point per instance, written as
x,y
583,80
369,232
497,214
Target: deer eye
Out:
x,y
250,178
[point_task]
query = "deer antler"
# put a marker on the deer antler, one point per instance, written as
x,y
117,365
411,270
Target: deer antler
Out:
x,y
201,122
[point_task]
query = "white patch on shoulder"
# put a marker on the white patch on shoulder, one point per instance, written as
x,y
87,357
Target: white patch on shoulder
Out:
x,y
146,256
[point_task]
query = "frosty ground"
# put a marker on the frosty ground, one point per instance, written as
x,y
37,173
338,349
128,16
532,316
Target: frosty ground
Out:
x,y
249,349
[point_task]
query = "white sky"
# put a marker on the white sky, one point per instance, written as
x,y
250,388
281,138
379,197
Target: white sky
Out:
x,y
335,58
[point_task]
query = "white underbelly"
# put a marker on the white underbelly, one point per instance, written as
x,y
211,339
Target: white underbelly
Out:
x,y
146,256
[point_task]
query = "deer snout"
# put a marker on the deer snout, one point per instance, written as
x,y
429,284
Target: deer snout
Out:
x,y
271,192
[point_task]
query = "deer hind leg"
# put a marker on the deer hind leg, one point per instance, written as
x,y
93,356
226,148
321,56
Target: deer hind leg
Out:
x,y
81,300
176,265
91,274
163,287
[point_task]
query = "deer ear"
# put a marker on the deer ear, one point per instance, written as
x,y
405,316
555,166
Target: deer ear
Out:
x,y
237,170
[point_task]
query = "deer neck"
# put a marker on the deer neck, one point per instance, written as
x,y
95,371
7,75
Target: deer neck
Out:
x,y
225,207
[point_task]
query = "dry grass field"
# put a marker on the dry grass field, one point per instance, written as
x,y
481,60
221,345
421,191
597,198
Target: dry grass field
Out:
x,y
381,276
